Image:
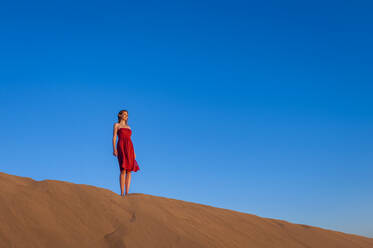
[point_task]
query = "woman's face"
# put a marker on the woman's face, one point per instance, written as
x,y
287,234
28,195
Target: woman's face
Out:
x,y
125,115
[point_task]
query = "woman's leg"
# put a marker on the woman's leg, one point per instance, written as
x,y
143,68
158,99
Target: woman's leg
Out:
x,y
128,181
121,181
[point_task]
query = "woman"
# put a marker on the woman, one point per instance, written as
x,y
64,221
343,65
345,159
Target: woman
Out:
x,y
124,150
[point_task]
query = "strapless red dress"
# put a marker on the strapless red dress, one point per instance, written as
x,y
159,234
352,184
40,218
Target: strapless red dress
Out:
x,y
126,154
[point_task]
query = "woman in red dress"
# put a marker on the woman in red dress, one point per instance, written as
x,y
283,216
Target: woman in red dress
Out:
x,y
124,151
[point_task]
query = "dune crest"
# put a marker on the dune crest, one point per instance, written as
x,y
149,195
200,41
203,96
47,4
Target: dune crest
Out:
x,y
53,213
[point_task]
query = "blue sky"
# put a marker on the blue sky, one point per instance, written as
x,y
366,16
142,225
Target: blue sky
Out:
x,y
263,108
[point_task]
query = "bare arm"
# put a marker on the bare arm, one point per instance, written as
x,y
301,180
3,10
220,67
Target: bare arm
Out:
x,y
115,130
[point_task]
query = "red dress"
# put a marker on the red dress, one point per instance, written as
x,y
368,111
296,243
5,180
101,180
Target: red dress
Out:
x,y
126,154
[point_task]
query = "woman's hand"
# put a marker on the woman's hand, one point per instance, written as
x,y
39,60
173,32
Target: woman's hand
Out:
x,y
115,153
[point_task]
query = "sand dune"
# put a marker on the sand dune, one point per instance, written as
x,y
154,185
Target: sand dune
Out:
x,y
55,214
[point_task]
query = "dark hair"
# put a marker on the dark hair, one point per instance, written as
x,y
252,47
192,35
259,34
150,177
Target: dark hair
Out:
x,y
120,115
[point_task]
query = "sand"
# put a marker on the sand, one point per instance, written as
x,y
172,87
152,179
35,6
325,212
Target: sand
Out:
x,y
53,213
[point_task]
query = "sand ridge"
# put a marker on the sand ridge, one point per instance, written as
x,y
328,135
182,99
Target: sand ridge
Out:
x,y
53,213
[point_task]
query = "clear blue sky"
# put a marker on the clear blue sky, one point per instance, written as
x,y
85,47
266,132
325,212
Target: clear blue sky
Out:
x,y
264,108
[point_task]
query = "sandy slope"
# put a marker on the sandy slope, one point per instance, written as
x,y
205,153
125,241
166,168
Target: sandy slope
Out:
x,y
55,214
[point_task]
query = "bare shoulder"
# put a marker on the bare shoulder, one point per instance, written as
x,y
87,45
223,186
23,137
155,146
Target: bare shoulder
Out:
x,y
115,124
